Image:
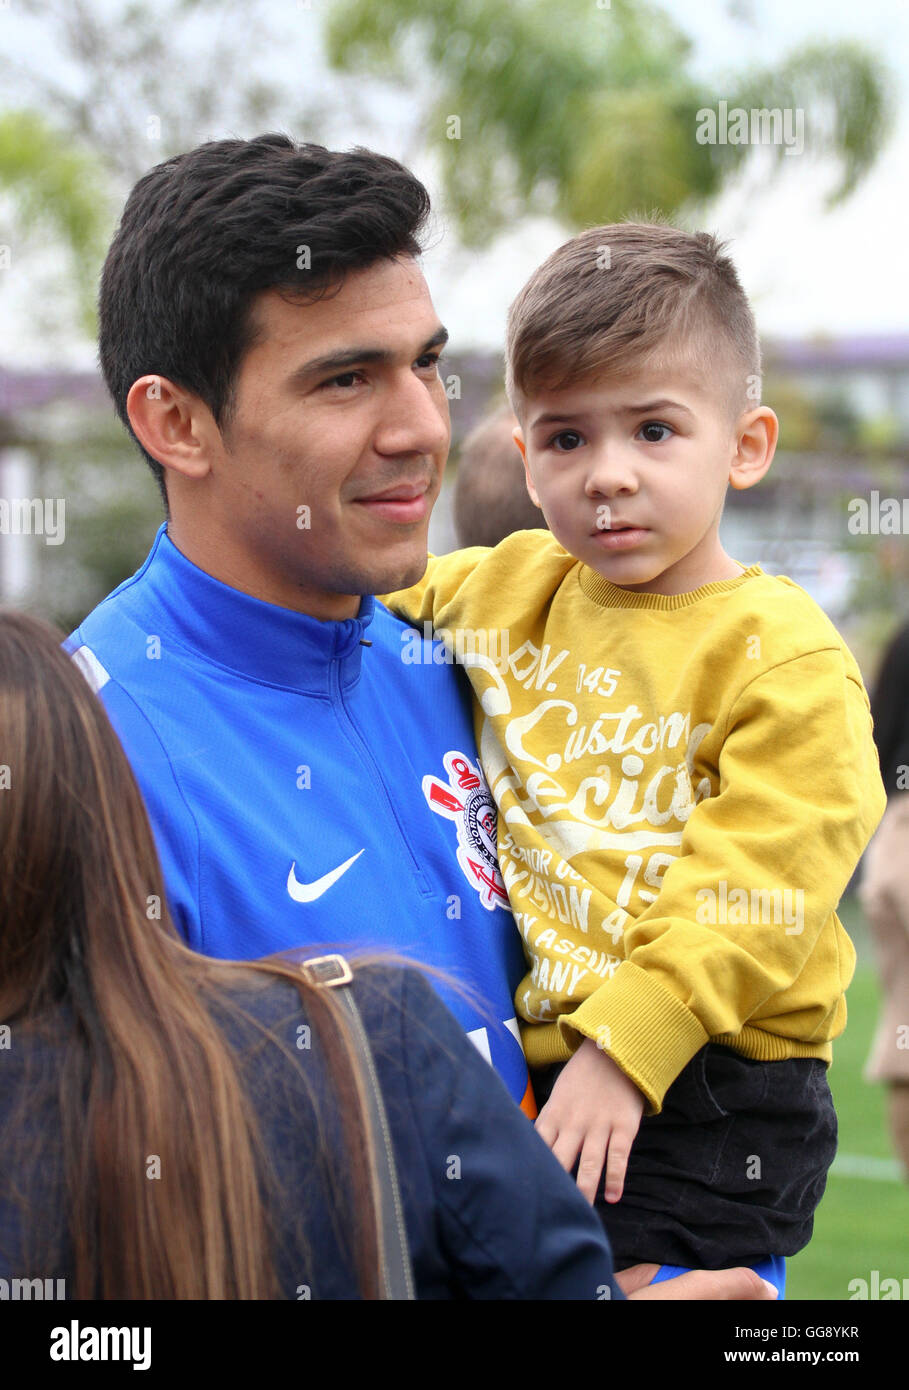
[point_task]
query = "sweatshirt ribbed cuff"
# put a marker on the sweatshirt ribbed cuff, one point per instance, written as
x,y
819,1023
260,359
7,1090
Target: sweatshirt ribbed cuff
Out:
x,y
646,1029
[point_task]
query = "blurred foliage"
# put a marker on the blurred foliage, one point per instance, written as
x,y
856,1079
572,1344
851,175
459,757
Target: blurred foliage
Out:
x,y
589,113
800,428
58,188
113,507
144,80
849,102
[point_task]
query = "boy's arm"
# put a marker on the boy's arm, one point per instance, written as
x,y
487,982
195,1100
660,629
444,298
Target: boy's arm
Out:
x,y
445,574
800,796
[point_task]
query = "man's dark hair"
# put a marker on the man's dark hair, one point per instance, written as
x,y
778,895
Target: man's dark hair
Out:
x,y
205,232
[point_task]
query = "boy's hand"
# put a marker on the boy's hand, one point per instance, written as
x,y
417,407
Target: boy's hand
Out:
x,y
594,1110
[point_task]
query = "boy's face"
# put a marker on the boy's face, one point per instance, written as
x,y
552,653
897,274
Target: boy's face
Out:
x,y
631,473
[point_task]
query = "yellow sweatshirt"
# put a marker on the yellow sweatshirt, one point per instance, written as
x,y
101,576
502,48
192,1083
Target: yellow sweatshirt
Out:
x,y
684,784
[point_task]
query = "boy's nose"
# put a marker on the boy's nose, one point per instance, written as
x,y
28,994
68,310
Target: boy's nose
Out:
x,y
610,474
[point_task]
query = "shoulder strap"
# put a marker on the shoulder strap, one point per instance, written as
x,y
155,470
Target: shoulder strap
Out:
x,y
394,1255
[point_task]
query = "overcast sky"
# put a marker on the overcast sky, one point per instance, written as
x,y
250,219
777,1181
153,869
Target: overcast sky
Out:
x,y
807,270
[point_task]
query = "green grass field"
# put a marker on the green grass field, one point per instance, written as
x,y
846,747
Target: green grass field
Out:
x,y
863,1222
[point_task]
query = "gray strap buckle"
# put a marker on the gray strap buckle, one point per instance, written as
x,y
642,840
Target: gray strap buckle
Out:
x,y
327,970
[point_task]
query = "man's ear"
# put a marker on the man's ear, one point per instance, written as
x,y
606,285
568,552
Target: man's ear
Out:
x,y
173,425
517,435
757,432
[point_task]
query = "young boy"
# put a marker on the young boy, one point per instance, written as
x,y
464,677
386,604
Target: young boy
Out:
x,y
680,750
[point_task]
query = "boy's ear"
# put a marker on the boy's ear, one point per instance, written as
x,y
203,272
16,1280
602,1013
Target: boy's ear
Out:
x,y
517,435
757,432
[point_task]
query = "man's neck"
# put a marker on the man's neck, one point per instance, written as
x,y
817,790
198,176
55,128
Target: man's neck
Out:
x,y
221,563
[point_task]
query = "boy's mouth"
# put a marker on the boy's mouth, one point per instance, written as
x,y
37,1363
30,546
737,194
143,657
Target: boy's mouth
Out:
x,y
620,537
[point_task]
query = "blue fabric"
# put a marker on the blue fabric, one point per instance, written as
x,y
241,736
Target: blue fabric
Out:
x,y
773,1269
274,750
489,1212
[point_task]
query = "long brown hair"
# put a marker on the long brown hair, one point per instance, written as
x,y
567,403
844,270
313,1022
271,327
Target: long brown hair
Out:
x,y
146,1070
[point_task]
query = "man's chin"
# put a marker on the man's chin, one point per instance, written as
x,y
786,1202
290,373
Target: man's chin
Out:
x,y
402,576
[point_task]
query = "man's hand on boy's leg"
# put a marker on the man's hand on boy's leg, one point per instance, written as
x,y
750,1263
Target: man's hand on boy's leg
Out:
x,y
738,1283
635,1277
595,1111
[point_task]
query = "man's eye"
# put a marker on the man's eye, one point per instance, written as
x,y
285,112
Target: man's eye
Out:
x,y
649,435
566,441
345,380
429,359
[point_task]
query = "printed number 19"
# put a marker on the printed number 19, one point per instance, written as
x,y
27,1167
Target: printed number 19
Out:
x,y
657,865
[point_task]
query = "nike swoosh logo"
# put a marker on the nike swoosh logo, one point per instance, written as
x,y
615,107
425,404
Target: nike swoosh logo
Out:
x,y
308,892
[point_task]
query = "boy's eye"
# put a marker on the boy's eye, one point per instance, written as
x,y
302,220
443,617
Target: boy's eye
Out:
x,y
654,432
566,441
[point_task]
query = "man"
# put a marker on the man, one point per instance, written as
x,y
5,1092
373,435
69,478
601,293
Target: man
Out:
x,y
308,766
311,777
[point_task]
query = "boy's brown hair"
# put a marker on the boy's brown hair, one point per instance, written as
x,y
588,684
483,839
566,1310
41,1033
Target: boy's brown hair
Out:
x,y
621,296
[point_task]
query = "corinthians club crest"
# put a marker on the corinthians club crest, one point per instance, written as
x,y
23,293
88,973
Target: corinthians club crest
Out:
x,y
466,800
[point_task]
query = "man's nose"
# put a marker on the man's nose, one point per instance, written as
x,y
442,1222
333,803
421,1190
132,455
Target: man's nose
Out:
x,y
414,418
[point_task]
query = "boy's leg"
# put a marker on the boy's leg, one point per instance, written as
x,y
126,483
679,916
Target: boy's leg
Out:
x,y
735,1163
773,1269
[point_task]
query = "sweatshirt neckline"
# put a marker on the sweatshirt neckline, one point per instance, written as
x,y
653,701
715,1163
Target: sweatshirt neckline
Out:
x,y
608,595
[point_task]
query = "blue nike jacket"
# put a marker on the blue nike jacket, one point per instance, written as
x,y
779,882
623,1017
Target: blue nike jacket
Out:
x,y
309,784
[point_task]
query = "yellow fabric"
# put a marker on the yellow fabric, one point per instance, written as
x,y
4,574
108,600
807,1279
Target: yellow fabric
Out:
x,y
685,785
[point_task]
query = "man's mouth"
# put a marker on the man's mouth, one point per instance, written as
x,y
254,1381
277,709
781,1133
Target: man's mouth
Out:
x,y
403,502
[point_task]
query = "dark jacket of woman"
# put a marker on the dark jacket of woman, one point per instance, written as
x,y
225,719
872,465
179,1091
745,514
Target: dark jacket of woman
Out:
x,y
490,1213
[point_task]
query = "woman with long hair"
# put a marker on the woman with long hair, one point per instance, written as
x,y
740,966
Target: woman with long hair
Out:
x,y
178,1127
153,1139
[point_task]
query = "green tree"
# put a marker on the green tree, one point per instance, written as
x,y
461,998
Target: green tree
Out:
x,y
589,112
141,80
57,189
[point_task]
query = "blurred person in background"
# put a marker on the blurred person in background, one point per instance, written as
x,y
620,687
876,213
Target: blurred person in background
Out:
x,y
490,495
884,890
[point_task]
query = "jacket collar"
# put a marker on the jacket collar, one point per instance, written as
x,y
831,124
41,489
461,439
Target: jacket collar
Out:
x,y
261,641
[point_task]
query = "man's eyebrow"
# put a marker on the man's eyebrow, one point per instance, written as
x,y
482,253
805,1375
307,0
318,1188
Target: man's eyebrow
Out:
x,y
555,416
338,362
